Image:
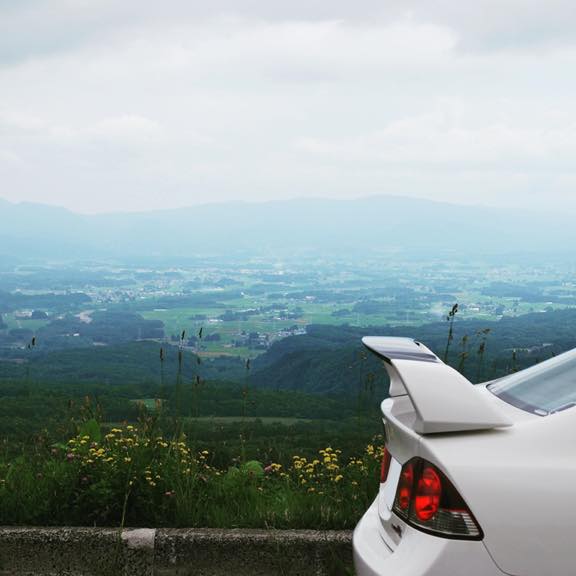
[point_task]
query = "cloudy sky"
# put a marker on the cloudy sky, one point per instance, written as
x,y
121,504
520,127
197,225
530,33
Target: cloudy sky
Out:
x,y
110,105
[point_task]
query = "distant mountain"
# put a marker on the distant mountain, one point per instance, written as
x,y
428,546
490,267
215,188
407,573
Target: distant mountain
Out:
x,y
383,224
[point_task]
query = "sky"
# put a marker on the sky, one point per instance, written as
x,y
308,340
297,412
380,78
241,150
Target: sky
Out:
x,y
141,105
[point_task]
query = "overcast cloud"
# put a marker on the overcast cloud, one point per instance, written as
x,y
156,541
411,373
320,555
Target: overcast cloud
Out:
x,y
137,105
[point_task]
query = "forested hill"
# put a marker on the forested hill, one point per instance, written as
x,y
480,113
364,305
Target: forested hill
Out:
x,y
328,359
331,358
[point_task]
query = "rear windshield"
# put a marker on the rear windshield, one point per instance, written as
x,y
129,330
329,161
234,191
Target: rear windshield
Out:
x,y
545,388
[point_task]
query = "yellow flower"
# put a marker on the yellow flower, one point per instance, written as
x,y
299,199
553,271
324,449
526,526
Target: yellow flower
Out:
x,y
116,431
127,459
338,478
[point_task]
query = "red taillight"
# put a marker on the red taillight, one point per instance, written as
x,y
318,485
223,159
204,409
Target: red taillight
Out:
x,y
385,466
427,500
428,492
405,486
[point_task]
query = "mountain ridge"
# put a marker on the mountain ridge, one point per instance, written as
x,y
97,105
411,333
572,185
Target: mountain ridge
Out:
x,y
376,224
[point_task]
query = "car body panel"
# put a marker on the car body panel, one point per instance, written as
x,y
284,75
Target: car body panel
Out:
x,y
518,481
417,554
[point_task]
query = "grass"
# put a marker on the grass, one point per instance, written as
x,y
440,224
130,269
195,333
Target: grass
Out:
x,y
286,421
12,322
134,476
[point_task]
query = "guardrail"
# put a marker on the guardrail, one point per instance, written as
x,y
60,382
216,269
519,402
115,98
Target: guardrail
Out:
x,y
173,552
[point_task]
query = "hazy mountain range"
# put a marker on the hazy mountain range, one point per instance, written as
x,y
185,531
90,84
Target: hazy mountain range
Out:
x,y
376,224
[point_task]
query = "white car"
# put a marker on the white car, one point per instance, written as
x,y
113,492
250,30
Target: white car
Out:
x,y
476,480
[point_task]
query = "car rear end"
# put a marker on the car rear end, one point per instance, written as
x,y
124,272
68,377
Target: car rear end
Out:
x,y
476,480
420,523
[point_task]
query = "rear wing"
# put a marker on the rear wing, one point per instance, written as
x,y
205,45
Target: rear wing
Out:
x,y
443,399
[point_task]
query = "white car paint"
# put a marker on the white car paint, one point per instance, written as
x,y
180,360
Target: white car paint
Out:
x,y
518,480
416,371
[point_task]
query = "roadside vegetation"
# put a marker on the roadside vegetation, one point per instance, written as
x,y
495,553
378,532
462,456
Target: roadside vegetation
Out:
x,y
133,475
180,449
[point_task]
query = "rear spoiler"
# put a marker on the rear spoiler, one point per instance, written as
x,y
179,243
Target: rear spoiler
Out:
x,y
444,400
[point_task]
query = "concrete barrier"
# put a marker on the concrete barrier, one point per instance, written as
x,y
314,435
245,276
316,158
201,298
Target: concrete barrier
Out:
x,y
173,552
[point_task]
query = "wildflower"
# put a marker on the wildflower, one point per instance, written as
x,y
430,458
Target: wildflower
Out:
x,y
127,460
338,478
116,431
